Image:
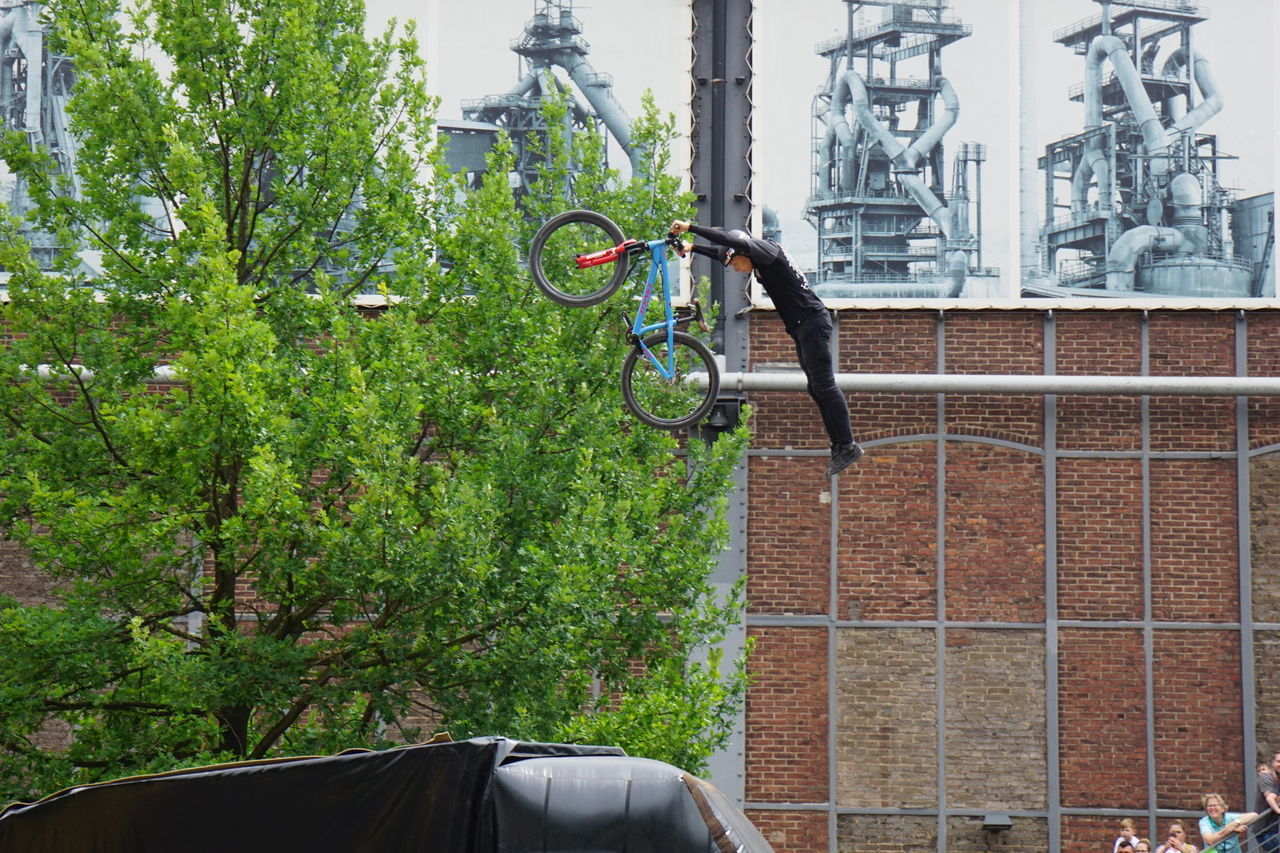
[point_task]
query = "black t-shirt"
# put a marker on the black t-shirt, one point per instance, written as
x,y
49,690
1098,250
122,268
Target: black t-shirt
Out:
x,y
782,280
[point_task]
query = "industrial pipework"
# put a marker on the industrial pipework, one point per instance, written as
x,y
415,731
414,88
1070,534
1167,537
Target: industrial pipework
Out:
x,y
21,34
852,90
553,39
884,227
1156,224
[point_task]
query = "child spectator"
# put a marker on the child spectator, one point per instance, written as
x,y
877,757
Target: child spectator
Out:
x,y
1128,832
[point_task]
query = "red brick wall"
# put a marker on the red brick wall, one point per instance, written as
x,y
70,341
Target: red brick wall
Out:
x,y
1100,539
1194,560
887,557
19,578
1263,359
1196,677
789,537
787,717
1099,344
792,831
994,534
1102,727
993,550
978,343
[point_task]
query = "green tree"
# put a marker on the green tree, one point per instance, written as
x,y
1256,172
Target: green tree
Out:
x,y
320,524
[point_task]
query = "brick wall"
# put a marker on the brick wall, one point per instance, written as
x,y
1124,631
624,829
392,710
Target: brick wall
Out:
x,y
888,519
1194,560
1099,344
791,831
787,717
886,834
990,474
789,537
1197,717
1102,719
994,533
1100,539
1264,535
886,718
19,578
966,835
1263,359
995,720
991,478
1266,667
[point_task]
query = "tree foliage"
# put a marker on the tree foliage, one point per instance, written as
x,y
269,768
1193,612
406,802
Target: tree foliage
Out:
x,y
330,524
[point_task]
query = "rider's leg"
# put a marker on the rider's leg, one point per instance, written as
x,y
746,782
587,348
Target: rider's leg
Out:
x,y
813,348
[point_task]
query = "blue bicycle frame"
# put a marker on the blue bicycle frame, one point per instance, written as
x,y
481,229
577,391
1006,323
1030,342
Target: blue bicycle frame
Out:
x,y
659,267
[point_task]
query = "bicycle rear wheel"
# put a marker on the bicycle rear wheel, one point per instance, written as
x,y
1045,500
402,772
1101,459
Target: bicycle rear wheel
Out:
x,y
676,402
562,238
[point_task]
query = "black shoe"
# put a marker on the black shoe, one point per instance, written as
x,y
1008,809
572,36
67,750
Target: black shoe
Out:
x,y
842,456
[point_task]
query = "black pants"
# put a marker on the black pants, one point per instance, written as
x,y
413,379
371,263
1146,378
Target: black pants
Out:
x,y
813,347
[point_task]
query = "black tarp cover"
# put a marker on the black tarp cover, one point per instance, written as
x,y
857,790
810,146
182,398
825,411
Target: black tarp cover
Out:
x,y
478,796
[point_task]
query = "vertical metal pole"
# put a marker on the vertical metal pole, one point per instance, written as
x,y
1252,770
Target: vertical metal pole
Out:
x,y
721,174
833,615
940,633
1148,652
977,166
1244,544
1053,789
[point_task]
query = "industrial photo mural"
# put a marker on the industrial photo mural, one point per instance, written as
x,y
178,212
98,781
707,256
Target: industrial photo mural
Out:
x,y
985,150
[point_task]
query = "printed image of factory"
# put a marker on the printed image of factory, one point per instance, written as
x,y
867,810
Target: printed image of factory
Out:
x,y
1134,204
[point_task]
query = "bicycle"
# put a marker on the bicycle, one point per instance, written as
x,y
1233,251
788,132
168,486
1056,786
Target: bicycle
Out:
x,y
580,258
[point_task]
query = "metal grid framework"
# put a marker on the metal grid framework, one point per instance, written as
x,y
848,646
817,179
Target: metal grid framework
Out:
x,y
1244,627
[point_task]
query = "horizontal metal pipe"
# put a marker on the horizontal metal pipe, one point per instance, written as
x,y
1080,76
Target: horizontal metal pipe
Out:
x,y
936,383
949,383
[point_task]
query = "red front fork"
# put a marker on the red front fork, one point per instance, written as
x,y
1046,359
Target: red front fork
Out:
x,y
604,256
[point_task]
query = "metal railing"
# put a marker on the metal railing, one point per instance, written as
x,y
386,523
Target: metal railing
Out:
x,y
1076,90
868,31
1177,6
1239,262
1091,213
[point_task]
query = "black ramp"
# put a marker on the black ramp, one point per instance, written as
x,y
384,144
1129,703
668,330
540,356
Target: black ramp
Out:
x,y
421,798
594,804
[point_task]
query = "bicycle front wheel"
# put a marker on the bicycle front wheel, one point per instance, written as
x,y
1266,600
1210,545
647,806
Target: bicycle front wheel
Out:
x,y
554,249
678,401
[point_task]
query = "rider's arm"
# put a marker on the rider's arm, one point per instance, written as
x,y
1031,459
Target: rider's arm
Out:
x,y
721,236
707,251
715,235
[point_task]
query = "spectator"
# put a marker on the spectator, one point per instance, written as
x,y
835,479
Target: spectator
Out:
x,y
1143,845
1128,832
1268,828
1124,845
1222,828
1177,840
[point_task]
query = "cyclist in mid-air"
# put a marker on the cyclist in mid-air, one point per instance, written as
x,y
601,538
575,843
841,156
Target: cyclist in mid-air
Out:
x,y
806,320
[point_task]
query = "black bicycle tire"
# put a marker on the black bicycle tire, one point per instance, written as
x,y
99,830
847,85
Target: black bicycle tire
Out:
x,y
555,223
709,394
